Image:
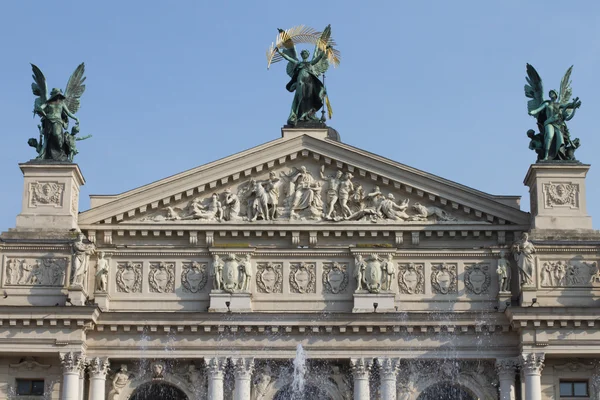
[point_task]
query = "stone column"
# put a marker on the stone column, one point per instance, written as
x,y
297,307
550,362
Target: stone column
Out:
x,y
72,364
243,368
532,365
81,382
98,369
387,377
215,368
360,372
506,369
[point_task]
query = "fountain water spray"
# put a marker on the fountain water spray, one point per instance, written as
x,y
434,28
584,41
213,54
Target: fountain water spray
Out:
x,y
299,374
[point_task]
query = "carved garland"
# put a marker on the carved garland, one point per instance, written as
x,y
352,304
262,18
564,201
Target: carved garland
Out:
x,y
443,278
561,194
129,277
477,278
302,277
161,277
411,278
46,194
194,277
269,277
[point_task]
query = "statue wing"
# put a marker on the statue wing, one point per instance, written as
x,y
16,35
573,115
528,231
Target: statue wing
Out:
x,y
534,89
75,88
39,87
565,87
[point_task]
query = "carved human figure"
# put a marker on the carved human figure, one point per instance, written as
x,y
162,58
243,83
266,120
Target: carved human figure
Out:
x,y
523,251
216,271
259,202
81,253
11,266
231,211
390,272
345,189
120,380
305,192
26,275
390,210
212,212
194,377
271,187
359,269
246,270
560,272
333,185
101,274
547,274
374,197
341,381
357,199
504,272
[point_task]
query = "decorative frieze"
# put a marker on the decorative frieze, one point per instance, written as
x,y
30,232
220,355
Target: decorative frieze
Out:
x,y
303,277
443,278
269,277
335,277
43,271
194,276
129,277
477,278
46,194
567,273
561,194
411,278
161,277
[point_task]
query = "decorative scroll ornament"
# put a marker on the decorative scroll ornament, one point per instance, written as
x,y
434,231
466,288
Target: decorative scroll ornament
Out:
x,y
193,277
303,277
477,278
161,277
29,363
561,194
46,194
443,278
269,277
335,277
129,277
411,278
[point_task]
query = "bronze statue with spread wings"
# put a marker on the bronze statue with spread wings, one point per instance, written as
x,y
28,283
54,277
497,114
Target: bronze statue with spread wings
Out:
x,y
55,142
309,91
553,142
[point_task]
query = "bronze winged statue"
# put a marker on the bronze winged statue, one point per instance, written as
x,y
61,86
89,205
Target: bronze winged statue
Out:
x,y
553,141
54,109
309,91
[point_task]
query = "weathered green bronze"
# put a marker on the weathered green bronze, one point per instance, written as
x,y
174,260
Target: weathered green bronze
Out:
x,y
309,91
55,142
553,142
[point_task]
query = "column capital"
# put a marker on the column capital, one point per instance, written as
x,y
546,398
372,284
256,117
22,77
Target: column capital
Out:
x,y
72,362
243,367
389,367
361,367
507,365
532,363
215,367
98,367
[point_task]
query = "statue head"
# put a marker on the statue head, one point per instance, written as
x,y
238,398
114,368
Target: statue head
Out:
x,y
101,255
553,95
304,54
349,175
272,175
338,174
56,94
391,196
502,254
530,133
303,169
525,236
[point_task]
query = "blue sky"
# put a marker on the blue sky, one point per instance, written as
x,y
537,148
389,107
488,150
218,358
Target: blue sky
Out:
x,y
437,85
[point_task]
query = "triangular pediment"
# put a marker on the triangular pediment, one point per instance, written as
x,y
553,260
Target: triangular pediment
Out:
x,y
241,188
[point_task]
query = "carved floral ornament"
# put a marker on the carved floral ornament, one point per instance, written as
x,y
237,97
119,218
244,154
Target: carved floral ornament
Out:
x,y
46,194
310,193
269,277
129,277
411,278
303,277
335,277
561,194
161,277
443,278
477,278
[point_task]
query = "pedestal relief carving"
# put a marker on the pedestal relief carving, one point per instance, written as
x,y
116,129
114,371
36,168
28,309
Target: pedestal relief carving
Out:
x,y
303,277
129,277
411,278
477,278
561,194
231,273
161,277
269,277
568,273
46,194
193,276
335,277
443,278
47,271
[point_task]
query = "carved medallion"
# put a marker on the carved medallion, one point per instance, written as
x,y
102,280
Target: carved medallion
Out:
x,y
161,277
561,194
193,277
411,278
231,274
45,271
477,278
129,277
46,194
303,278
373,274
335,277
269,277
443,278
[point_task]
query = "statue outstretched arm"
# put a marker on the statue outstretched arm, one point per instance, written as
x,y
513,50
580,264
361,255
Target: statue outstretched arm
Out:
x,y
290,59
537,110
69,113
318,57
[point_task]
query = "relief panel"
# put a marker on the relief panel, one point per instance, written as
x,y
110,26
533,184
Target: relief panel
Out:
x,y
44,271
303,277
46,194
161,277
563,273
335,277
129,277
269,277
194,276
477,278
561,195
443,278
411,278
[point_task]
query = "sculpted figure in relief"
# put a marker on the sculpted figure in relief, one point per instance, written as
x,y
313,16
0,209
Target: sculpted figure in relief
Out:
x,y
101,274
346,187
504,272
359,269
272,188
246,273
425,212
231,211
305,193
212,212
333,185
262,382
81,253
216,271
390,210
120,381
390,272
523,251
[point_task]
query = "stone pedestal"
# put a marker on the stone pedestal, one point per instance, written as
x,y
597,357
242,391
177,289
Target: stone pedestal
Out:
x,y
365,302
103,301
528,293
504,300
557,196
238,302
50,196
77,295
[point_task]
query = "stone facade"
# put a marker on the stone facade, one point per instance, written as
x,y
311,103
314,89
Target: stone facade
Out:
x,y
388,280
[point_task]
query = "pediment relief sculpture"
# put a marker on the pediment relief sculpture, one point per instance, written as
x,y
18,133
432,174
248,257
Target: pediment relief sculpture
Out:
x,y
306,192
